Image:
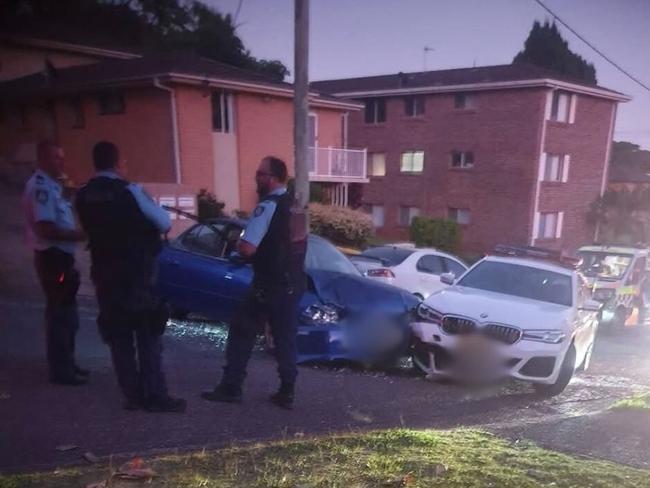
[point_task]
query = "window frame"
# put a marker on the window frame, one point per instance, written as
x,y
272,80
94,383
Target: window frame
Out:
x,y
76,108
222,111
412,213
555,115
371,159
106,108
544,231
457,211
463,157
414,106
376,115
412,154
467,101
372,215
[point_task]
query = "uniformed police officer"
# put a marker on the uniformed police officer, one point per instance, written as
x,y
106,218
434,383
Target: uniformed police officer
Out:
x,y
124,225
277,287
52,234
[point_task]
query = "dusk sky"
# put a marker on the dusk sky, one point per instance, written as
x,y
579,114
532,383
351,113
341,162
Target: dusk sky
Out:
x,y
367,37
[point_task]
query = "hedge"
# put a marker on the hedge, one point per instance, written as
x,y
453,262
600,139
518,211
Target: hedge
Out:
x,y
439,233
340,225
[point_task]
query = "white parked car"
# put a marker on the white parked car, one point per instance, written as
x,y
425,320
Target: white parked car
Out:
x,y
416,270
521,312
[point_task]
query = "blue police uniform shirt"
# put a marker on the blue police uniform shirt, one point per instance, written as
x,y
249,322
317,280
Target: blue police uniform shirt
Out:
x,y
43,201
153,213
258,225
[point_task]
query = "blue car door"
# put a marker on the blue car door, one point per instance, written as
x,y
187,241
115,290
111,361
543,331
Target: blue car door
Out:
x,y
194,276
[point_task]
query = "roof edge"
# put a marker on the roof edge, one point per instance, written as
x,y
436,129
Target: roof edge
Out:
x,y
69,46
498,85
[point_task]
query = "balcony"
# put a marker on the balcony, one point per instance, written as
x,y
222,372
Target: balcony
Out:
x,y
335,165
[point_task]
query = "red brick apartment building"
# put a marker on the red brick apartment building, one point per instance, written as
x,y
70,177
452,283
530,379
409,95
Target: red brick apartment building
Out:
x,y
182,122
514,153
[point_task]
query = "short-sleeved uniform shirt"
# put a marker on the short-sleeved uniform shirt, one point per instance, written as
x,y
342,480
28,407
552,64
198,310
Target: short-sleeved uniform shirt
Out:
x,y
43,201
259,222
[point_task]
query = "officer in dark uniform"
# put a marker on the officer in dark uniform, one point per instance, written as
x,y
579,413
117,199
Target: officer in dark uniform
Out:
x,y
123,225
277,286
52,233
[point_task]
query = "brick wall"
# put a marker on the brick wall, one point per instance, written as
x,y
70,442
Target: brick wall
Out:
x,y
585,142
265,127
503,131
143,134
195,134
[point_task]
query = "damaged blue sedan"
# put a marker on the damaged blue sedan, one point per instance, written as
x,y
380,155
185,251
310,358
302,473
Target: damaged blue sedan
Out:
x,y
342,315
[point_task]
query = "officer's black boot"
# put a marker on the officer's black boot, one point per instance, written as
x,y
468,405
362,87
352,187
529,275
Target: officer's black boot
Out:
x,y
166,404
223,393
284,397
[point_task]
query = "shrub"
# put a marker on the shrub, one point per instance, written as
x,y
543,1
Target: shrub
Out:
x,y
342,226
209,206
439,233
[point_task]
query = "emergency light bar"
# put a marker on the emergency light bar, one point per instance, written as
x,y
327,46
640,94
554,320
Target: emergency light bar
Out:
x,y
538,253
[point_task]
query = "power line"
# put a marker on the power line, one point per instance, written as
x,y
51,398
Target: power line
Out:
x,y
607,58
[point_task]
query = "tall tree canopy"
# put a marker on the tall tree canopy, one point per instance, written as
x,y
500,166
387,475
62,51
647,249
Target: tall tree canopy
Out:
x,y
546,48
153,24
627,153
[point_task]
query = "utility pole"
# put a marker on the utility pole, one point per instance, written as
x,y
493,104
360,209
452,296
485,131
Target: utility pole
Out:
x,y
301,100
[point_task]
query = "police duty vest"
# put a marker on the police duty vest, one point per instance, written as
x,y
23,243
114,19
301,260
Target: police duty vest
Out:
x,y
116,227
278,260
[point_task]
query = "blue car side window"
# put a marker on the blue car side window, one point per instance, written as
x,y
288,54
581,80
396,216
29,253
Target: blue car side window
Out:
x,y
204,240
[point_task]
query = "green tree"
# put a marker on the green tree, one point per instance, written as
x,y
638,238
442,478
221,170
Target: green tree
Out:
x,y
151,24
546,48
627,153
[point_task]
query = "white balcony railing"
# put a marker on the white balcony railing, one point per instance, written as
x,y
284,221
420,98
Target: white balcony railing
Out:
x,y
335,164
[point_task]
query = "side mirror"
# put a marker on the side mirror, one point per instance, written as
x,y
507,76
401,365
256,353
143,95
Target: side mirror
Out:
x,y
447,278
591,306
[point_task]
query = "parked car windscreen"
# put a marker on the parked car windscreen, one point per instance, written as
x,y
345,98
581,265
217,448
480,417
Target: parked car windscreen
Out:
x,y
323,256
520,281
604,265
389,256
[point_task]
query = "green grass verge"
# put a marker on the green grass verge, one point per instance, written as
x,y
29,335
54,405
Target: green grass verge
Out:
x,y
637,402
378,459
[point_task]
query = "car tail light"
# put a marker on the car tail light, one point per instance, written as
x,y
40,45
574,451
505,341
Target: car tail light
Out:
x,y
380,273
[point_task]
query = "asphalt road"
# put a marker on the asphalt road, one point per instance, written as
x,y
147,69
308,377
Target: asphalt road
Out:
x,y
36,417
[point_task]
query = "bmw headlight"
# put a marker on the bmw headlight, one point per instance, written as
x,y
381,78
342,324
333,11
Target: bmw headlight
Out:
x,y
321,314
428,314
551,336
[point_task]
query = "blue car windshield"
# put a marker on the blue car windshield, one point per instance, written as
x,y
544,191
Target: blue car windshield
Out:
x,y
520,281
323,256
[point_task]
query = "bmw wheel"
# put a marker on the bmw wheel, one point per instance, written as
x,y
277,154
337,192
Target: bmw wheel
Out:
x,y
566,373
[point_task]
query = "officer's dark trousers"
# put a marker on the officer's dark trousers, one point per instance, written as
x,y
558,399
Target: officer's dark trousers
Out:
x,y
136,350
60,282
277,306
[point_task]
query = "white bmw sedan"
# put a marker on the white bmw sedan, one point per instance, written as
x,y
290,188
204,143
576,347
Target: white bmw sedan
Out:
x,y
523,313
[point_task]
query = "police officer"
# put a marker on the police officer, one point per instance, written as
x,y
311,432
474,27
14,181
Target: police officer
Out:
x,y
52,234
123,225
277,286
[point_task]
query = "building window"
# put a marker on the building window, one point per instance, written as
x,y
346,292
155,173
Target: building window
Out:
x,y
560,106
463,216
407,214
556,168
111,103
463,101
77,119
375,110
222,112
412,162
462,159
377,164
550,225
414,106
377,213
